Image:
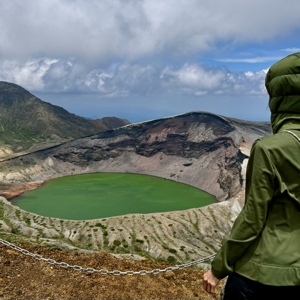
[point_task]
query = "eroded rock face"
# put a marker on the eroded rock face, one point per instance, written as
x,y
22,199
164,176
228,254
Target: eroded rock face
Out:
x,y
176,236
197,148
201,149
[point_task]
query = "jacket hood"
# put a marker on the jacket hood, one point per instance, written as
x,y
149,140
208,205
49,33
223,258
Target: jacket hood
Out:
x,y
283,85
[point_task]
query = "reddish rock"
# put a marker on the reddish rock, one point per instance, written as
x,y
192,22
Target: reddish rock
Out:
x,y
20,189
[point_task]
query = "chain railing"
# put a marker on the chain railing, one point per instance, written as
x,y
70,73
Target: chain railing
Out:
x,y
104,271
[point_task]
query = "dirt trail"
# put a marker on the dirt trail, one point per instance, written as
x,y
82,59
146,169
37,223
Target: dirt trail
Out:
x,y
24,277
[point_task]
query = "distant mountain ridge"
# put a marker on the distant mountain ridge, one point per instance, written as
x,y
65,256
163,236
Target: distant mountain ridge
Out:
x,y
198,148
28,122
107,123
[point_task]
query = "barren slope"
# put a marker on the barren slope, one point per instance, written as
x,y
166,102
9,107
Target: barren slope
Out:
x,y
210,150
197,148
23,277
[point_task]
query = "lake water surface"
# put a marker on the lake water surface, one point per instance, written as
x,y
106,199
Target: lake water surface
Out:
x,y
101,195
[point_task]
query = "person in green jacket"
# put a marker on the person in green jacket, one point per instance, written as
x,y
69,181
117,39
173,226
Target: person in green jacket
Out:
x,y
262,253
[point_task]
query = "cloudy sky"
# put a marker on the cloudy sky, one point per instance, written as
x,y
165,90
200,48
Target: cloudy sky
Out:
x,y
147,59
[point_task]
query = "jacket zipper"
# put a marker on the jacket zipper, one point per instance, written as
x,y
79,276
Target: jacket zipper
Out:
x,y
295,135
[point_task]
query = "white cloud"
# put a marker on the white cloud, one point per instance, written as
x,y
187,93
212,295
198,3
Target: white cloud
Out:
x,y
292,50
193,76
69,75
103,31
29,74
193,79
251,60
200,93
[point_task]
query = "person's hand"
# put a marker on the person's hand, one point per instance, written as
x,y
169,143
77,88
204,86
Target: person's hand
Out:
x,y
210,282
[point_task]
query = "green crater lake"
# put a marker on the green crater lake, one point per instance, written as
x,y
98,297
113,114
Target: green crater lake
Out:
x,y
101,195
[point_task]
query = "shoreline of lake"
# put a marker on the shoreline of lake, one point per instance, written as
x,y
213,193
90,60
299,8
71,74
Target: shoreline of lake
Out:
x,y
82,194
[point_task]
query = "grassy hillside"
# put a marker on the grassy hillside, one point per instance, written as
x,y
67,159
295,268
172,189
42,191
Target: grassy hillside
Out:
x,y
27,121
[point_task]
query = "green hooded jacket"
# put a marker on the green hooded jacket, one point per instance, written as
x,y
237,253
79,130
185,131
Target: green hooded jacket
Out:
x,y
264,244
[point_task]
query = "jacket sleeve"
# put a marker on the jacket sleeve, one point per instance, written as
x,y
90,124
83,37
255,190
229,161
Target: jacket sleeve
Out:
x,y
259,192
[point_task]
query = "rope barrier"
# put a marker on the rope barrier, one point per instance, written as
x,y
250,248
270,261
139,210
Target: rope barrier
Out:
x,y
104,271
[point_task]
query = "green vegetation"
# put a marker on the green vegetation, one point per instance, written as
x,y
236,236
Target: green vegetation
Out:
x,y
172,251
27,220
101,225
171,259
25,119
165,246
137,249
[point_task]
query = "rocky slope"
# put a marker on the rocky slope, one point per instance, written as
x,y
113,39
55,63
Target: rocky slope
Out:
x,y
174,237
28,123
198,148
